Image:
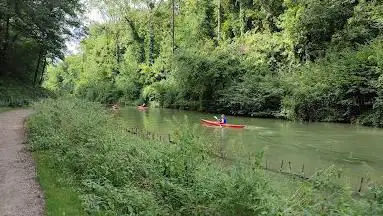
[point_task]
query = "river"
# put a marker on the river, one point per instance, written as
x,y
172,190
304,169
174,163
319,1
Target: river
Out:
x,y
357,150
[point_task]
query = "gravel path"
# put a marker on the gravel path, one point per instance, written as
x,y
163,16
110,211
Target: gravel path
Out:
x,y
20,194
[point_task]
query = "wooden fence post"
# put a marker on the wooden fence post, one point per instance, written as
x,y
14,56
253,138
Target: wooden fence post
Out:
x,y
280,170
361,184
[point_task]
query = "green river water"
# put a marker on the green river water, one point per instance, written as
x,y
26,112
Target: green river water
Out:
x,y
357,150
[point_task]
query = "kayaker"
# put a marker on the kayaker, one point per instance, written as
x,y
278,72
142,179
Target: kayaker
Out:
x,y
223,119
115,107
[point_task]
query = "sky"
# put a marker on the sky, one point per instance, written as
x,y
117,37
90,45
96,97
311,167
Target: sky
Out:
x,y
91,16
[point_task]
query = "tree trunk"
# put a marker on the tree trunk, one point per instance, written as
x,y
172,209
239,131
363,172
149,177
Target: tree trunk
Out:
x,y
43,72
173,24
137,38
38,66
151,41
219,20
4,47
6,38
118,60
241,18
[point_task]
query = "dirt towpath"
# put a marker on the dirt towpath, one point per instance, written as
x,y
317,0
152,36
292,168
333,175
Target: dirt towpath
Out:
x,y
20,193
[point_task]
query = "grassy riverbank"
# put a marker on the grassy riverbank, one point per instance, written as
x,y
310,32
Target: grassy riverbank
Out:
x,y
84,152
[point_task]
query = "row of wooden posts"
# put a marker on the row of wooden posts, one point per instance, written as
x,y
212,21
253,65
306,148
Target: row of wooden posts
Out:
x,y
149,135
166,138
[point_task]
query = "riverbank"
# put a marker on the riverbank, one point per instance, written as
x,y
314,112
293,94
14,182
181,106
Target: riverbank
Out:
x,y
117,173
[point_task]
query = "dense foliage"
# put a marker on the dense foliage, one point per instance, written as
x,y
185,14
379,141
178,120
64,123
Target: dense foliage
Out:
x,y
33,33
15,93
297,59
120,174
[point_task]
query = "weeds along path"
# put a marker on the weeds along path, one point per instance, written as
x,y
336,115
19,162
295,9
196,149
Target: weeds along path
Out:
x,y
20,193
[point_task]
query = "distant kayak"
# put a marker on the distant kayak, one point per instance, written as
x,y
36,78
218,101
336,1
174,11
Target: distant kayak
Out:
x,y
142,108
215,123
115,107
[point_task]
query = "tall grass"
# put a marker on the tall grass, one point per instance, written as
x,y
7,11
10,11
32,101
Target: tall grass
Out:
x,y
117,174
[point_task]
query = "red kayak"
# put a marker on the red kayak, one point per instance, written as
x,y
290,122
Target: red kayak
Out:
x,y
215,123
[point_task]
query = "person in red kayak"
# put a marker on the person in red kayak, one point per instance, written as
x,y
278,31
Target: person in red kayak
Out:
x,y
223,119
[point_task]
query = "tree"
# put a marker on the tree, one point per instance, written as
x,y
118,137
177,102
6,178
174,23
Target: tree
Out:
x,y
47,24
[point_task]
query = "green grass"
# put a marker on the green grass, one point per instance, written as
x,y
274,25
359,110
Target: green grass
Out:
x,y
4,109
60,197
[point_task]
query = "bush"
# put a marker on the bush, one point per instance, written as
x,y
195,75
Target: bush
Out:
x,y
342,87
15,93
256,94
